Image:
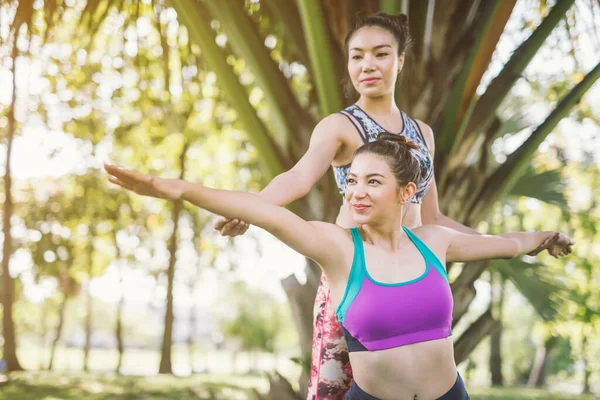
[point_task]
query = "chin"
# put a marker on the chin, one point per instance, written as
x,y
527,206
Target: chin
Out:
x,y
360,219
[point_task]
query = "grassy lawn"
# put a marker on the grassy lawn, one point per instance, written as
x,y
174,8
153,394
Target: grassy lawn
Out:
x,y
67,386
74,386
522,394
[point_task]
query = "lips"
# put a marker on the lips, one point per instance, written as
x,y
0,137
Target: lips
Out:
x,y
360,207
370,81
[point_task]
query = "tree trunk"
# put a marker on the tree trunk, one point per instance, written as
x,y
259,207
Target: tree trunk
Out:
x,y
119,324
43,336
483,326
165,357
587,372
89,306
496,337
537,377
8,327
192,332
61,320
301,299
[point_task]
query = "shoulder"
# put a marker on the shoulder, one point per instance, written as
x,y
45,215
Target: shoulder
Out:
x,y
334,231
434,233
334,126
427,133
334,121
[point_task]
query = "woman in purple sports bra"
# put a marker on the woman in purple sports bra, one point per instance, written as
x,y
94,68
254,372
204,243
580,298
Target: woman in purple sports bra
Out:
x,y
387,281
375,51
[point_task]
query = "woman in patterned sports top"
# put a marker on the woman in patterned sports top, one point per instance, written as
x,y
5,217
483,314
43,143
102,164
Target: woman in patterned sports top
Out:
x,y
375,51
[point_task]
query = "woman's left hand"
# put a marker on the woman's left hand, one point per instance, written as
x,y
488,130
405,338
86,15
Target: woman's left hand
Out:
x,y
557,244
146,185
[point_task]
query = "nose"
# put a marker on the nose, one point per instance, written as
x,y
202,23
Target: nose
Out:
x,y
368,63
359,192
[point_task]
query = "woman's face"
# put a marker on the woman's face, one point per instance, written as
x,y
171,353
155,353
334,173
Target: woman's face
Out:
x,y
371,190
373,61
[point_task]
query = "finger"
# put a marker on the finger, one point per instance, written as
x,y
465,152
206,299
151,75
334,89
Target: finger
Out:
x,y
119,182
237,228
126,174
220,223
245,228
227,227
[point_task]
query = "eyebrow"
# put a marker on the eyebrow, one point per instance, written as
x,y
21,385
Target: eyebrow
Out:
x,y
369,175
374,48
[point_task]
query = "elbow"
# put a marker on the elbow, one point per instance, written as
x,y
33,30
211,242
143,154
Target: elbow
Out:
x,y
302,185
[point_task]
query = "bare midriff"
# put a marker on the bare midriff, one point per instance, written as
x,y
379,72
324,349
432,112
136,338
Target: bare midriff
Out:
x,y
423,371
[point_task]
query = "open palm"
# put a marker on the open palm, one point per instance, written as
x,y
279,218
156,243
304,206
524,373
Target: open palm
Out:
x,y
145,185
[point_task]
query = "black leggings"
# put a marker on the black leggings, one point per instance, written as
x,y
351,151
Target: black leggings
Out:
x,y
456,392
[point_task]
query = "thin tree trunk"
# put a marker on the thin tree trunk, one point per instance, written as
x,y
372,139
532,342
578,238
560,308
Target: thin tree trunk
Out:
x,y
89,306
586,364
43,336
165,366
192,332
119,325
61,320
537,377
496,338
8,327
466,343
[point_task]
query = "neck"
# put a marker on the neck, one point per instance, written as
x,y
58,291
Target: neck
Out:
x,y
381,105
386,234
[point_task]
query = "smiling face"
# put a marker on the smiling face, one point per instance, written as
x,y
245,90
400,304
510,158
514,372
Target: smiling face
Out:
x,y
373,61
372,192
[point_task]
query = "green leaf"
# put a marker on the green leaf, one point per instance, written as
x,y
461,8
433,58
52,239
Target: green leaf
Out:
x,y
534,283
546,186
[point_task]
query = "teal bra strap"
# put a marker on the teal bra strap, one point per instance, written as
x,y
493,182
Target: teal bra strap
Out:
x,y
430,257
356,277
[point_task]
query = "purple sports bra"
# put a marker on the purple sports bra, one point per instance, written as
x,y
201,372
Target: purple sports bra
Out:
x,y
378,316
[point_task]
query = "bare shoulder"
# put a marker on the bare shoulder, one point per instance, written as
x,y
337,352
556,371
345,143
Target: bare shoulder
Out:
x,y
427,133
336,124
431,233
334,232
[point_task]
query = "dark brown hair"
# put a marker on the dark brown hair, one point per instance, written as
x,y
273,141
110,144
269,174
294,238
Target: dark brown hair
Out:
x,y
397,151
397,25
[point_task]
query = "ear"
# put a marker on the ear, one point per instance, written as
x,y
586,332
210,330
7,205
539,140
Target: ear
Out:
x,y
408,192
401,62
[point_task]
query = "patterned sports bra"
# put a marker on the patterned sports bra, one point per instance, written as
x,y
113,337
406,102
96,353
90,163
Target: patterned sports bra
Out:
x,y
369,130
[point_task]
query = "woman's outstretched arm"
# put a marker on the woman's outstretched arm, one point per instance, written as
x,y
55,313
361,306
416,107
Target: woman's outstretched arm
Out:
x,y
466,247
316,240
325,142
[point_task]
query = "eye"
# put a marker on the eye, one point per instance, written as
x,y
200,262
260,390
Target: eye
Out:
x,y
350,181
382,54
374,182
356,57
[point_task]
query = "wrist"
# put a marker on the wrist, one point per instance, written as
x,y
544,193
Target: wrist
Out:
x,y
182,189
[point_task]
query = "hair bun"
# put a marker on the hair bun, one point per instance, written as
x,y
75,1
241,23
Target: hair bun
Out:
x,y
402,20
401,140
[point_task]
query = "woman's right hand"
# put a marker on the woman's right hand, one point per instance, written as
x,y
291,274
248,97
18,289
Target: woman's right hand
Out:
x,y
557,244
230,226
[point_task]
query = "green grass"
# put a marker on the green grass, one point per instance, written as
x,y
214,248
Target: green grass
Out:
x,y
522,394
66,386
75,386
